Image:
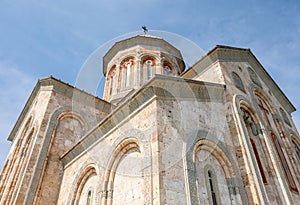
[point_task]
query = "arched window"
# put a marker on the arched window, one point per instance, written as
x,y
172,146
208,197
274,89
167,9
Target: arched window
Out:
x,y
272,128
254,77
285,117
212,187
149,63
297,150
127,73
252,132
167,68
284,163
112,79
238,81
84,187
89,198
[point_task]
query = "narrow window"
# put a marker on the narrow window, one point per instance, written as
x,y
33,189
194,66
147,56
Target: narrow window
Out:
x,y
285,117
212,188
238,81
167,70
127,74
252,132
260,167
89,198
297,149
112,78
284,163
148,69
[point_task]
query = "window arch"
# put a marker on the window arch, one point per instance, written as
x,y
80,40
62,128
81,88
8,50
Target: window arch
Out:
x,y
285,117
149,63
81,181
10,168
112,75
212,187
252,129
124,147
167,68
89,197
238,81
284,164
254,77
208,154
127,66
297,149
274,127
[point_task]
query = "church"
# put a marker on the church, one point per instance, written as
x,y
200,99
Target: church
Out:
x,y
218,132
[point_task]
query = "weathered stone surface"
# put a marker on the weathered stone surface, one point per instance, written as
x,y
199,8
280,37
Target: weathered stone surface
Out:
x,y
169,140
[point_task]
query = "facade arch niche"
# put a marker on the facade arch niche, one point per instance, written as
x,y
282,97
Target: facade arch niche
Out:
x,y
285,117
296,146
215,175
148,64
238,81
20,165
84,191
126,72
111,79
114,190
251,123
260,154
9,172
274,129
168,61
75,122
70,127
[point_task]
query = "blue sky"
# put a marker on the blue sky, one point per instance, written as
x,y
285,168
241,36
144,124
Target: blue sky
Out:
x,y
42,38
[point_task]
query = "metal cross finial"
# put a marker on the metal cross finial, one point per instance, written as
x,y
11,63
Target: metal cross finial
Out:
x,y
145,29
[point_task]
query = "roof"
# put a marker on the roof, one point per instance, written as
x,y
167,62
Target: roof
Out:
x,y
224,53
54,82
142,40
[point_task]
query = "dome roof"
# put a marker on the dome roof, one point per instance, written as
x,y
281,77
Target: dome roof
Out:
x,y
142,40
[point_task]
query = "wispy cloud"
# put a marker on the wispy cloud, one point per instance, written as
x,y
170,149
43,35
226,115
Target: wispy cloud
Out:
x,y
16,87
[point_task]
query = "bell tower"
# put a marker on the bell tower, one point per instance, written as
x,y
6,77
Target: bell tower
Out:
x,y
131,63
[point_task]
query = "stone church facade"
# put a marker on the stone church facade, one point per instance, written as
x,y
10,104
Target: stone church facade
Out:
x,y
219,132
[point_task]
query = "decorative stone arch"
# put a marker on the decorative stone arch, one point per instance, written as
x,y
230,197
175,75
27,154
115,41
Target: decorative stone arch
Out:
x,y
296,142
257,92
172,61
285,117
42,156
149,56
19,162
86,171
127,58
240,101
111,70
126,145
19,181
202,140
148,65
17,143
168,68
126,72
76,116
217,152
254,77
111,80
238,81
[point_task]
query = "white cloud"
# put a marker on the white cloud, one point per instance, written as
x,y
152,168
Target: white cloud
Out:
x,y
15,89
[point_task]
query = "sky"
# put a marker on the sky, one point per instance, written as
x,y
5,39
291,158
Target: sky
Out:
x,y
43,38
